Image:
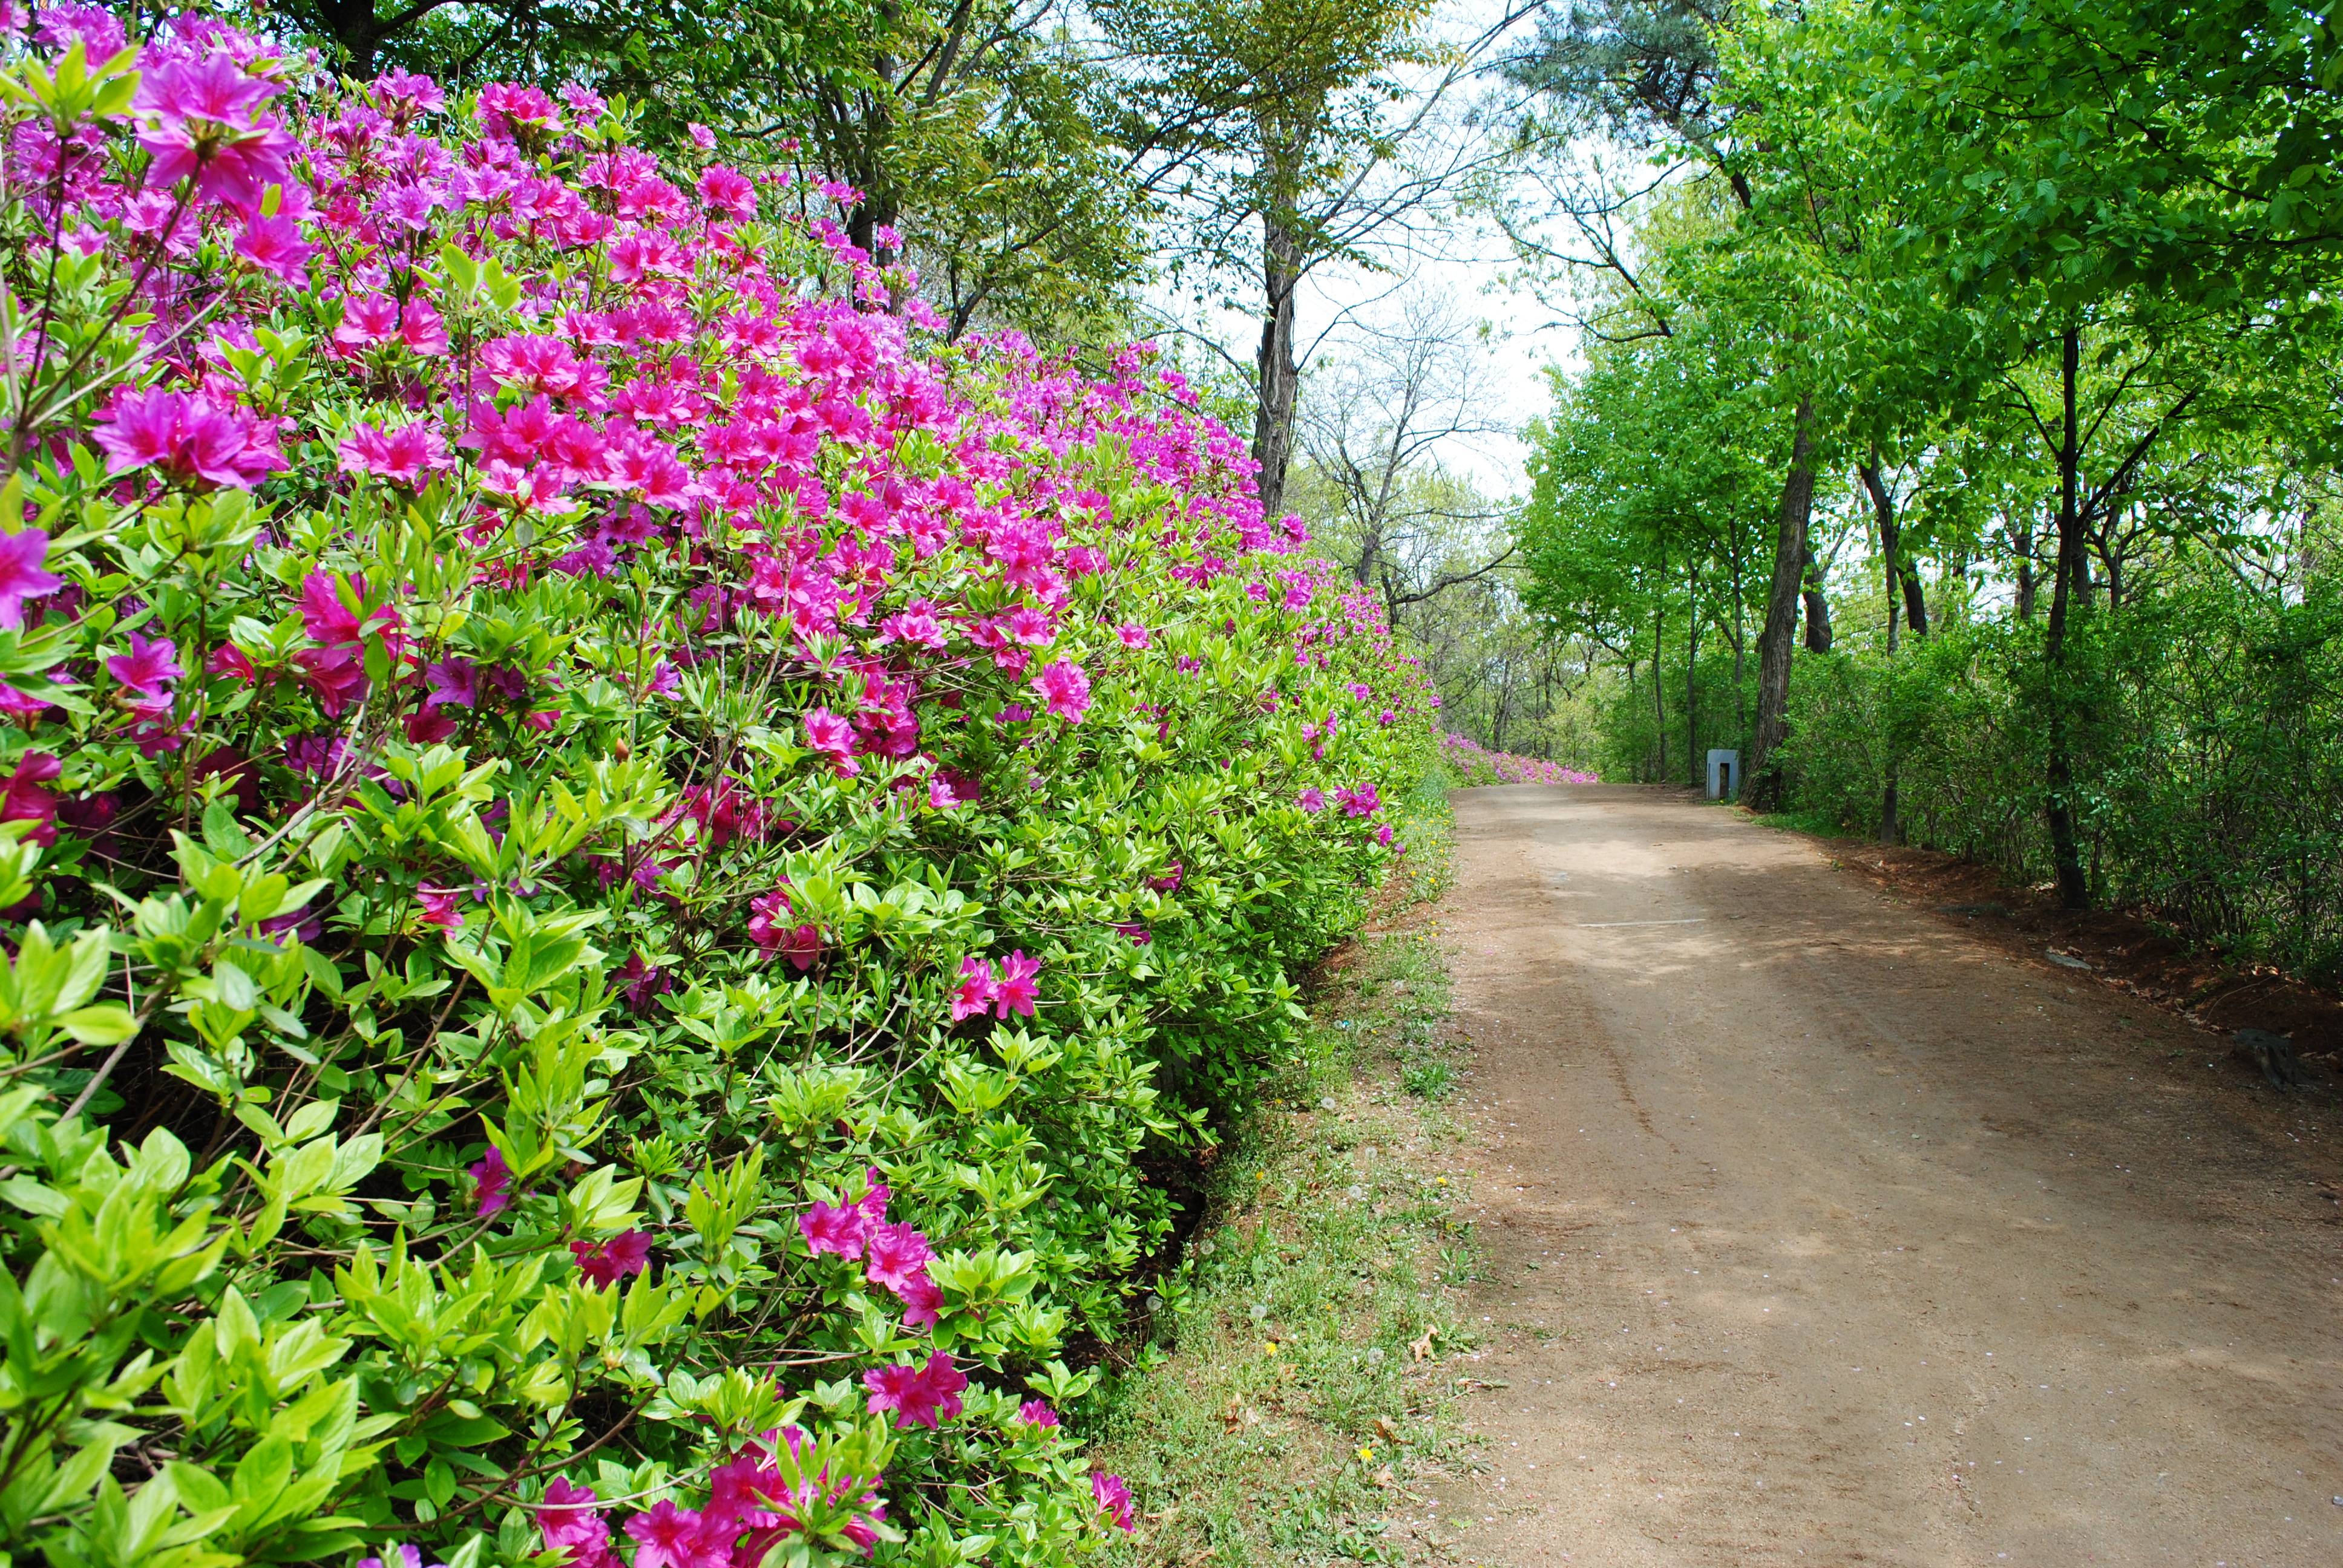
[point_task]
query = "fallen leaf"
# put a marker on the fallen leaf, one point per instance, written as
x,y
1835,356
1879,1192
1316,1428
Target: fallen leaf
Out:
x,y
1387,1432
1423,1347
1385,1479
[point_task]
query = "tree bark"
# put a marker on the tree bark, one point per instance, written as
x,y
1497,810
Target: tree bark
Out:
x,y
2065,854
1883,508
1691,679
1819,635
2023,540
1279,377
1660,685
1775,644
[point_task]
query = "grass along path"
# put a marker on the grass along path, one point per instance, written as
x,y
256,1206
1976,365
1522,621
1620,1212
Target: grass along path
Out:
x,y
1300,1394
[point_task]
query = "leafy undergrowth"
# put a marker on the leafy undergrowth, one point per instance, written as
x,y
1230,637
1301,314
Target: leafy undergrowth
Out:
x,y
1294,1390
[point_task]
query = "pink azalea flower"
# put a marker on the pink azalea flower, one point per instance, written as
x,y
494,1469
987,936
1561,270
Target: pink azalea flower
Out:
x,y
571,1524
766,913
1170,881
828,733
1312,799
666,1536
918,1395
608,1262
26,801
1030,627
833,1228
1113,1499
1384,834
728,191
492,1179
895,1253
190,437
203,125
1363,802
873,1203
1015,990
923,1301
976,989
275,245
1066,690
403,95
21,576
1134,635
439,907
1034,1412
404,454
151,664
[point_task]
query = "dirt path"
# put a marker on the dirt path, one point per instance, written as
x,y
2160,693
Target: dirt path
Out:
x,y
1819,1231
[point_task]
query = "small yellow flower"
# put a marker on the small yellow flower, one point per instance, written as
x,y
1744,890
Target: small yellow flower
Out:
x,y
1443,1181
1269,1348
1366,1456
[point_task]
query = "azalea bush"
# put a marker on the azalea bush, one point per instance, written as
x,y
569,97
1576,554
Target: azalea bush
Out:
x,y
1475,764
624,871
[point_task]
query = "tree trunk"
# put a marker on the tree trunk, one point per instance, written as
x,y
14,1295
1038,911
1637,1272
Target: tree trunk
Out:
x,y
2074,889
1774,643
1691,677
1916,603
1279,377
2024,542
1660,687
1883,508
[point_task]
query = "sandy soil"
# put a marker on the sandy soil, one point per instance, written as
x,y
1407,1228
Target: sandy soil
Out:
x,y
1821,1228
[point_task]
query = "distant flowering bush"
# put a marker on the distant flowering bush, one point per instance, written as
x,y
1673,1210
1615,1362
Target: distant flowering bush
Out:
x,y
611,851
1475,764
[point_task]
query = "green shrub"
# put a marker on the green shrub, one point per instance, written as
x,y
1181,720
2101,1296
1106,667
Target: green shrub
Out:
x,y
655,858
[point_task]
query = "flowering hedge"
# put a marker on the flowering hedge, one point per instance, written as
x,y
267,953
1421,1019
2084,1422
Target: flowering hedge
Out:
x,y
1475,764
617,861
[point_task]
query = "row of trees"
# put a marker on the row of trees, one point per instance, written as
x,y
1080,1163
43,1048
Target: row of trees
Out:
x,y
1044,163
2033,304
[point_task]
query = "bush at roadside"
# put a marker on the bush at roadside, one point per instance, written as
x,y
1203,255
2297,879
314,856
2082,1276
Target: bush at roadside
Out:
x,y
620,861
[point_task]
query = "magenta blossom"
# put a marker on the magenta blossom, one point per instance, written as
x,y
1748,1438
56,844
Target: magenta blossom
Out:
x,y
923,1301
21,576
608,1262
571,1524
404,454
976,989
1065,688
918,1395
1034,1412
666,1536
439,907
1134,635
1113,1499
828,733
833,1228
190,438
150,665
1015,990
1312,799
203,124
896,1253
491,1182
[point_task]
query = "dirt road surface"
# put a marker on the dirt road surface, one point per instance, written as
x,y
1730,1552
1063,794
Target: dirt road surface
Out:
x,y
1820,1229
